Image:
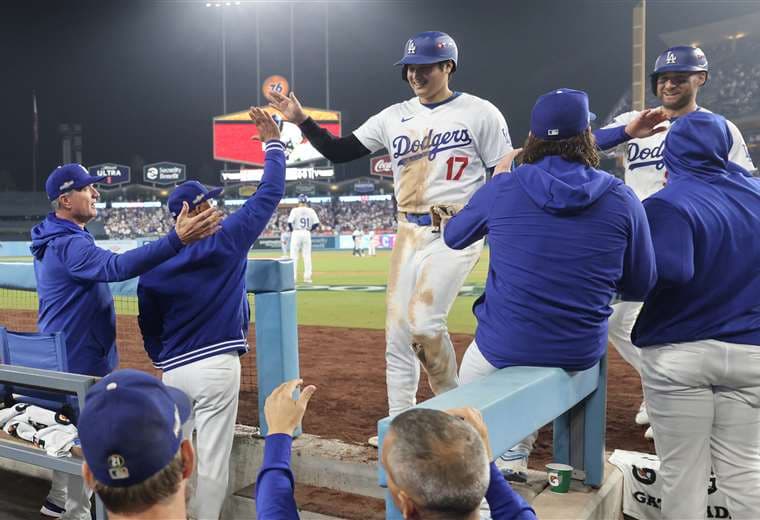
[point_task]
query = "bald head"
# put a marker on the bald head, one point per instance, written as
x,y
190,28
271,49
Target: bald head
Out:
x,y
438,461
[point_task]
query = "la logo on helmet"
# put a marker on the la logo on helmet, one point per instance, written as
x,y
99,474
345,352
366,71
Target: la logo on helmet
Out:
x,y
411,48
671,58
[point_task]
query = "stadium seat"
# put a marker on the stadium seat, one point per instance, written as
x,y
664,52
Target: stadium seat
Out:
x,y
37,350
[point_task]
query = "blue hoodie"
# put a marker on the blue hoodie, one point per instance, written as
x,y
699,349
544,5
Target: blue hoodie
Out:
x,y
705,228
72,275
194,306
564,238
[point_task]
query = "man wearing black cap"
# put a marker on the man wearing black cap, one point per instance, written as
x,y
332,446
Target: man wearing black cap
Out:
x,y
564,238
135,457
72,275
194,316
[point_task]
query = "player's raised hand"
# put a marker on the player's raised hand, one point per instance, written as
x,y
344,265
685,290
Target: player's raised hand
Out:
x,y
196,227
266,126
505,163
289,106
645,124
474,418
282,412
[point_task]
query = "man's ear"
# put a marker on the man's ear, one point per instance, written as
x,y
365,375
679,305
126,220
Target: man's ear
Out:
x,y
407,507
703,77
89,478
188,458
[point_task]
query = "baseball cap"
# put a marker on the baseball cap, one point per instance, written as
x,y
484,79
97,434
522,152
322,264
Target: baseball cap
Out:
x,y
560,114
192,192
131,427
69,177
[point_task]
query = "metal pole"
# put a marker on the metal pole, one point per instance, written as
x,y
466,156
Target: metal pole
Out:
x,y
292,52
638,79
327,55
224,69
258,57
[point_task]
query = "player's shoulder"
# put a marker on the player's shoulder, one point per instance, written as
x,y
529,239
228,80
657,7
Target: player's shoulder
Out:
x,y
626,117
473,100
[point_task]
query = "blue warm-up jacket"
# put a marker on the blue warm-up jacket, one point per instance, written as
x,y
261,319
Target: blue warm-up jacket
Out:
x,y
563,238
705,228
195,306
71,273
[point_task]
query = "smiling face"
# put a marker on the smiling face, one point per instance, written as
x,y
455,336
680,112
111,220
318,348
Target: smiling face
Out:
x,y
678,90
79,205
430,81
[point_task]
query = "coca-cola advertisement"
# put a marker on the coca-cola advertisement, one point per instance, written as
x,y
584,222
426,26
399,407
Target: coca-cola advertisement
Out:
x,y
381,166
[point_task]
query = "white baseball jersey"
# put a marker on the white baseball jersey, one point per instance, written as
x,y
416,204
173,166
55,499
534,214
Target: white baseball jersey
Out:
x,y
302,218
438,155
643,158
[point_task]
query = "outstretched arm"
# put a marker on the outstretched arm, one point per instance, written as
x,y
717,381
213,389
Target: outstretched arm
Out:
x,y
335,149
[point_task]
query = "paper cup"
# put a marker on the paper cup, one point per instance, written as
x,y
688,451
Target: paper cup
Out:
x,y
559,476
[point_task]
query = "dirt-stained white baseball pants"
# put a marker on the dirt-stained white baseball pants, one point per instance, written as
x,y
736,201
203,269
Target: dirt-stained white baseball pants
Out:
x,y
704,406
424,279
213,386
300,242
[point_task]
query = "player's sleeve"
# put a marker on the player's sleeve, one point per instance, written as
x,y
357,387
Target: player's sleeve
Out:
x,y
245,225
673,240
739,153
292,216
335,149
502,500
150,320
639,266
87,262
613,134
372,134
275,482
471,224
493,141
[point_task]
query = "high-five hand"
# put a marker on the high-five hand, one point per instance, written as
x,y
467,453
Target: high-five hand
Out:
x,y
289,106
266,126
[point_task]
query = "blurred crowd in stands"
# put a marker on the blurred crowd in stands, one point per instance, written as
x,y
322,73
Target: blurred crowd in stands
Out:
x,y
335,218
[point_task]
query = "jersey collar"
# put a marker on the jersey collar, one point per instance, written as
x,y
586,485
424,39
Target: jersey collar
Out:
x,y
449,99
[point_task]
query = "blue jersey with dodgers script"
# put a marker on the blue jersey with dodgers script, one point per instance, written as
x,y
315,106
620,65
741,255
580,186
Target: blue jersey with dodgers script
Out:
x,y
439,153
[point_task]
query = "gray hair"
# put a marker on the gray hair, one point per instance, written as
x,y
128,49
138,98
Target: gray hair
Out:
x,y
438,460
55,204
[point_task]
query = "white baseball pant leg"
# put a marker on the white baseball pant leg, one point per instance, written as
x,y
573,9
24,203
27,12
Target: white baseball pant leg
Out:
x,y
425,278
295,249
703,399
620,325
475,366
69,492
213,386
306,251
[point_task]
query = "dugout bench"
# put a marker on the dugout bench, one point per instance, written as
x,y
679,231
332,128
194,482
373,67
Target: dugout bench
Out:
x,y
46,380
517,401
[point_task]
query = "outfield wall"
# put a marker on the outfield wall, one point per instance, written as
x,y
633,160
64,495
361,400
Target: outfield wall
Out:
x,y
332,242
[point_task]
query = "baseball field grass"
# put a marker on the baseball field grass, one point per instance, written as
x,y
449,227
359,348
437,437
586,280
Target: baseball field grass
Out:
x,y
348,291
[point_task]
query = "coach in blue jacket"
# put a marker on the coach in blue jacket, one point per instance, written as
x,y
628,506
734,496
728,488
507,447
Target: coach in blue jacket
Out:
x,y
564,237
74,297
194,316
700,326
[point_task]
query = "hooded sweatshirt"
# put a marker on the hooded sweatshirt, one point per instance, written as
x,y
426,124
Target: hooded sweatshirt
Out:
x,y
72,275
705,228
563,238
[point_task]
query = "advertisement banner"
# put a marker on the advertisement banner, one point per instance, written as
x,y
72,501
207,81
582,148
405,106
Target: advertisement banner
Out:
x,y
381,166
164,173
116,174
274,243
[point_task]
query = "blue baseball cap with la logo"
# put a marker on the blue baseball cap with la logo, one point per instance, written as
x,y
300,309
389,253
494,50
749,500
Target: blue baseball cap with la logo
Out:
x,y
69,177
192,192
131,427
560,114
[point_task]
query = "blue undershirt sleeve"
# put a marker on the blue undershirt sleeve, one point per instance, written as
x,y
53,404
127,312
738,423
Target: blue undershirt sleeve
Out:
x,y
503,502
607,138
275,483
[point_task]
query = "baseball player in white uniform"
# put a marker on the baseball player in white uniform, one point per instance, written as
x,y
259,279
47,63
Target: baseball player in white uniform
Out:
x,y
678,74
302,221
441,144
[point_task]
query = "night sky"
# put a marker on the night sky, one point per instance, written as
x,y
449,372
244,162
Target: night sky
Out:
x,y
145,78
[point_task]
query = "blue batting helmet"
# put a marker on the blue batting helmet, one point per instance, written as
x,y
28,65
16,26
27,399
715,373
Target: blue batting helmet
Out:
x,y
303,199
429,47
681,58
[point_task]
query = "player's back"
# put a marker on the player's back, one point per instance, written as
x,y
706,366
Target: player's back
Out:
x,y
302,218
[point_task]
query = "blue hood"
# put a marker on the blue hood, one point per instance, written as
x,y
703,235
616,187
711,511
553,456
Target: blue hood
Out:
x,y
560,186
50,228
698,144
